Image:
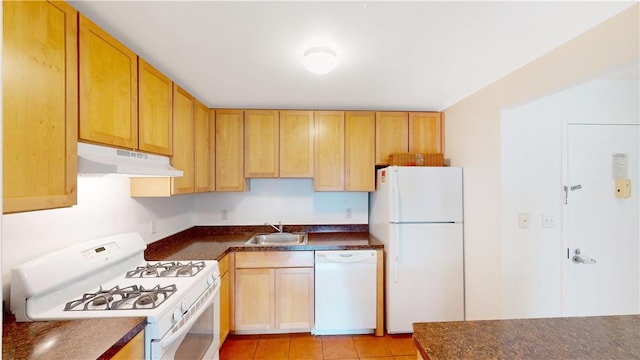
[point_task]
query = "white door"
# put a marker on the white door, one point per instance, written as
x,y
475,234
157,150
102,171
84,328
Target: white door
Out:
x,y
604,228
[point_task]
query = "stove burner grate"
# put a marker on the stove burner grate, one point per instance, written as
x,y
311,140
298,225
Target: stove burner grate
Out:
x,y
132,297
167,269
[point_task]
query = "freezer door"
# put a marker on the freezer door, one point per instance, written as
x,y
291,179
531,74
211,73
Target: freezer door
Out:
x,y
424,280
425,194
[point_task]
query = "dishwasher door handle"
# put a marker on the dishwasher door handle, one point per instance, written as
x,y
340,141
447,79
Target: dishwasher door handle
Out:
x,y
346,257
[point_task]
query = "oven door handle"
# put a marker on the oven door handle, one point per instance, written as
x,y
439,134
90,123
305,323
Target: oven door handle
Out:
x,y
166,342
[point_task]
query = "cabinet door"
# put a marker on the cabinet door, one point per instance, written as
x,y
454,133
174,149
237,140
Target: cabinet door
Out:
x,y
40,91
201,148
134,349
296,144
425,132
261,143
229,150
108,88
155,124
254,295
212,150
392,135
294,298
329,151
183,129
359,151
224,298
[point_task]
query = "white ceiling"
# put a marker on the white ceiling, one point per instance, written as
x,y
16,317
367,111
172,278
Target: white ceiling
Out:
x,y
392,55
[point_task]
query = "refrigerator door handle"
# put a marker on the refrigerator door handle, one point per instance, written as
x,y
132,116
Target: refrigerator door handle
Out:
x,y
396,258
395,213
396,277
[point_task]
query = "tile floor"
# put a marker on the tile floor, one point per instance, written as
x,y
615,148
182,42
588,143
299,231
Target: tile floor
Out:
x,y
308,347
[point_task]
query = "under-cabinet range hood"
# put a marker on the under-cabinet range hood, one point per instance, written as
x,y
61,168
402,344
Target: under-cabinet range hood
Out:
x,y
102,160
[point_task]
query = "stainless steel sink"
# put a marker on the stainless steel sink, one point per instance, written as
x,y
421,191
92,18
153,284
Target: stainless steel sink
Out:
x,y
278,239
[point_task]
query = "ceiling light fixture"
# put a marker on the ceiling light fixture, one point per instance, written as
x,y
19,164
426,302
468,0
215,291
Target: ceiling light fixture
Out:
x,y
320,60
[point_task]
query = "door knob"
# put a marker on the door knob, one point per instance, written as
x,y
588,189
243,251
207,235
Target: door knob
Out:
x,y
582,259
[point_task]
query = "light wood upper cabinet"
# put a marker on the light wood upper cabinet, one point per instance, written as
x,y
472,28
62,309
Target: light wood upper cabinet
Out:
x,y
261,140
108,88
40,94
192,139
296,144
425,132
183,140
229,150
201,148
212,150
360,128
329,151
392,135
155,96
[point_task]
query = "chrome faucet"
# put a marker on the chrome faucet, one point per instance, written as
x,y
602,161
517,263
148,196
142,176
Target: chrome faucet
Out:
x,y
278,228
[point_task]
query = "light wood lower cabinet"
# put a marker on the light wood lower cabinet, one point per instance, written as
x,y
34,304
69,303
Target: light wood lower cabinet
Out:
x,y
273,292
224,297
294,296
134,349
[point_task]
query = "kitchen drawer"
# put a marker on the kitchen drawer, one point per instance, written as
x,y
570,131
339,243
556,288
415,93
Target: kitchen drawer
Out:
x,y
223,264
273,259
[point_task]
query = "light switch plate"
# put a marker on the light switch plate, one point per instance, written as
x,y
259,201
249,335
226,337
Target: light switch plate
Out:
x,y
623,188
548,221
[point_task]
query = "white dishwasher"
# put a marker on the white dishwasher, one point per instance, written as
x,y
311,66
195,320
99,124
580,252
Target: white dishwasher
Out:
x,y
345,292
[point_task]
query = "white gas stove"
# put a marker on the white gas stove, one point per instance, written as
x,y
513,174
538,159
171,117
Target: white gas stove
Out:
x,y
109,277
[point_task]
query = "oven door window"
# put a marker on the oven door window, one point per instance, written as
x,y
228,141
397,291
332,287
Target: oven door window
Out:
x,y
199,338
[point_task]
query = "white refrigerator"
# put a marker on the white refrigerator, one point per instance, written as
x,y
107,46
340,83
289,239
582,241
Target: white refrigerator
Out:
x,y
416,212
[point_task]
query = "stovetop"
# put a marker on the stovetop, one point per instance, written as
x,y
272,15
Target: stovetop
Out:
x,y
132,297
107,277
169,269
145,287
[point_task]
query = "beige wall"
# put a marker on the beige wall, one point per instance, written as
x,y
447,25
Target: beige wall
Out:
x,y
473,141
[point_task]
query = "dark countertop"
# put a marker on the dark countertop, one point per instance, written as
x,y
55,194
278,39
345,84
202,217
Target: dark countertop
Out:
x,y
597,337
212,243
73,339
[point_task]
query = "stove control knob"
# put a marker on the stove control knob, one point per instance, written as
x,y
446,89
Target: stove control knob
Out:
x,y
177,315
210,280
184,306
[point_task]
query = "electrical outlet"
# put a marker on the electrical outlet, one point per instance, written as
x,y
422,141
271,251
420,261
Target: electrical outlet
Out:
x,y
348,213
225,214
523,220
548,221
152,227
